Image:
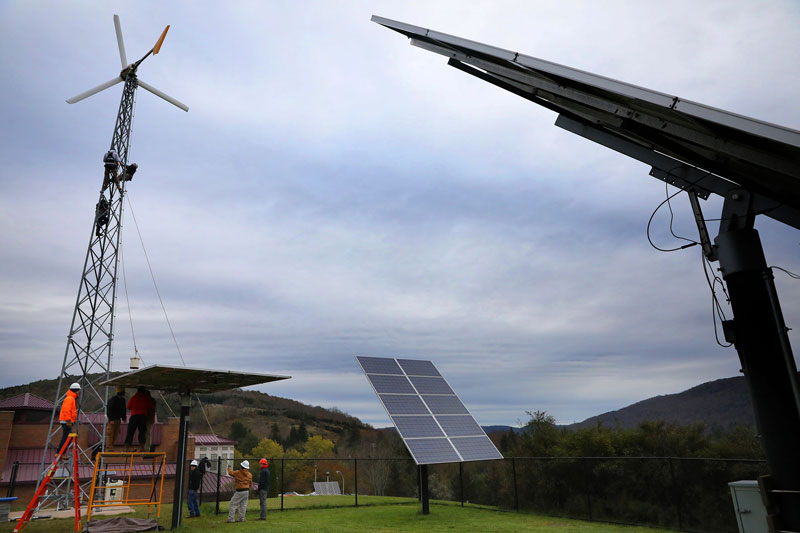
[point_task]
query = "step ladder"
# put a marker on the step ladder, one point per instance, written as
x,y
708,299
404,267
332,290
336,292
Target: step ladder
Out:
x,y
51,471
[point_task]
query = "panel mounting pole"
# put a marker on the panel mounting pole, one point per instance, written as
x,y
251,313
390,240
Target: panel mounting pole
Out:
x,y
423,489
759,336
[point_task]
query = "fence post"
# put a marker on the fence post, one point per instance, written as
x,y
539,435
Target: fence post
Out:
x,y
219,475
676,494
355,476
588,487
13,480
514,475
283,461
461,481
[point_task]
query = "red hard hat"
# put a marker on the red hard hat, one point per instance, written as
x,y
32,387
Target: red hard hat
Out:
x,y
263,462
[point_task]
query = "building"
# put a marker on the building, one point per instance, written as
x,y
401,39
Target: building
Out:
x,y
24,421
214,448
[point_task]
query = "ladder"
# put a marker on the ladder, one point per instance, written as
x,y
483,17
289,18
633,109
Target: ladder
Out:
x,y
49,473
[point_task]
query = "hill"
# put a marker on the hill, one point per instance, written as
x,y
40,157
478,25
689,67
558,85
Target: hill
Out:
x,y
256,411
723,403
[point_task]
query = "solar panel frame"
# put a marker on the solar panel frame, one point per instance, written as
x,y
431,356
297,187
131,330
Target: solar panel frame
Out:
x,y
430,418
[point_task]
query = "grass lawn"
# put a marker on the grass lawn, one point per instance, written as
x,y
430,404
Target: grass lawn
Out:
x,y
377,514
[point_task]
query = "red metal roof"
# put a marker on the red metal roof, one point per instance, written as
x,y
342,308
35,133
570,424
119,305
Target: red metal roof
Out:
x,y
30,464
26,401
212,440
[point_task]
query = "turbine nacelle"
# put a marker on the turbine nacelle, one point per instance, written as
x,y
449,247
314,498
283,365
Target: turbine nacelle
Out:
x,y
128,69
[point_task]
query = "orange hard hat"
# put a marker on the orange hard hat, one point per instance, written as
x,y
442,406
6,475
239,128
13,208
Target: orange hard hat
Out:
x,y
263,462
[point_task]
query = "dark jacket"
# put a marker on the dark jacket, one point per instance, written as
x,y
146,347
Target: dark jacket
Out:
x,y
263,480
194,479
116,408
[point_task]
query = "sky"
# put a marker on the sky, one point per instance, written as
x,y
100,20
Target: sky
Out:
x,y
335,192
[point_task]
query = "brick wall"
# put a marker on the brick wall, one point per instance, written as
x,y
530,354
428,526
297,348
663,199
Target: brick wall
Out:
x,y
6,424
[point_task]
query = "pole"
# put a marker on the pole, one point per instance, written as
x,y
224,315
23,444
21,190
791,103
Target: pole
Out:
x,y
13,480
355,474
461,481
423,475
767,363
282,490
514,476
177,498
219,476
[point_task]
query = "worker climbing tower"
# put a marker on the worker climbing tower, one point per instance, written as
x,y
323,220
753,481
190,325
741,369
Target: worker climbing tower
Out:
x,y
87,358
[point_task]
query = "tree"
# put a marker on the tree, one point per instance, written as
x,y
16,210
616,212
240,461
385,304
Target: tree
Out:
x,y
318,447
247,443
302,432
275,434
238,431
268,449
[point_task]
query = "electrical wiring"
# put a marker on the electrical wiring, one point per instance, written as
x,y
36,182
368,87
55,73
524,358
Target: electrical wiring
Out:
x,y
717,310
788,273
164,309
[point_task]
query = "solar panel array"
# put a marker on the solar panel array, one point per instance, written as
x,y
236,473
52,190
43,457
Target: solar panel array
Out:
x,y
432,421
326,488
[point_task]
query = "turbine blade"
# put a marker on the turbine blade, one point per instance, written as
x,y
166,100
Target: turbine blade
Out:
x,y
122,57
90,92
166,97
157,47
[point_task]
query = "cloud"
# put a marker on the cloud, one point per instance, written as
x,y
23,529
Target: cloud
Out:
x,y
336,192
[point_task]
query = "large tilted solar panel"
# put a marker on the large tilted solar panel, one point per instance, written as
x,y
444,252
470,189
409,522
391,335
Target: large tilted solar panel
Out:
x,y
432,421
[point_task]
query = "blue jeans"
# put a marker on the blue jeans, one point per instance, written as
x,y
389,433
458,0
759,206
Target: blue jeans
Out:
x,y
191,502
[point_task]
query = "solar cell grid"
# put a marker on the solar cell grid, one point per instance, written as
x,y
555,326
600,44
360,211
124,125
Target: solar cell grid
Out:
x,y
390,384
459,425
426,385
403,404
414,426
476,448
379,365
427,451
445,405
413,367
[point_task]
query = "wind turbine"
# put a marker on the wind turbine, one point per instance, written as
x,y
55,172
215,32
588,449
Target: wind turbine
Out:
x,y
87,358
130,70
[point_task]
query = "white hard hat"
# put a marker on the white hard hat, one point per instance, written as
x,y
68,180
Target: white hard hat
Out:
x,y
245,464
193,463
75,386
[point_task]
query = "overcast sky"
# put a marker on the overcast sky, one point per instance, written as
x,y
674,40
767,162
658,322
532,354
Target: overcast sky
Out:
x,y
336,192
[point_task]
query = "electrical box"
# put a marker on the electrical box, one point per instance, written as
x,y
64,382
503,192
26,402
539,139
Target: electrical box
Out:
x,y
751,515
114,490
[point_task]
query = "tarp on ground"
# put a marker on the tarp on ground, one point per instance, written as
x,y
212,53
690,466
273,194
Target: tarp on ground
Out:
x,y
121,525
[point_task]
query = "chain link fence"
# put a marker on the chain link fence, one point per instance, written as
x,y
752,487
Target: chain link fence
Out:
x,y
685,494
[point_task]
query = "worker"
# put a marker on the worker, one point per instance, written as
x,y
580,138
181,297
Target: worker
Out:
x,y
69,412
263,487
139,404
149,421
116,413
101,215
194,486
242,481
130,170
111,164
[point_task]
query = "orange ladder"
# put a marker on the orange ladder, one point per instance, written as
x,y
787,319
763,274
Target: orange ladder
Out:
x,y
26,516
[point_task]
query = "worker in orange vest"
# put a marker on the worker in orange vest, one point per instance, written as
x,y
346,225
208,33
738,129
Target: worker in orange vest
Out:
x,y
69,412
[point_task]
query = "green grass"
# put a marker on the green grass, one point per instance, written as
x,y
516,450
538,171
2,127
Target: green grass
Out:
x,y
374,514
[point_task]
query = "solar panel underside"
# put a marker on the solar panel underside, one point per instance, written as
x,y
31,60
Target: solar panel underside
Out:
x,y
432,421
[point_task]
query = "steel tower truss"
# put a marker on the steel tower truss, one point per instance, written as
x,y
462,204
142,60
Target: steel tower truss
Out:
x,y
87,358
